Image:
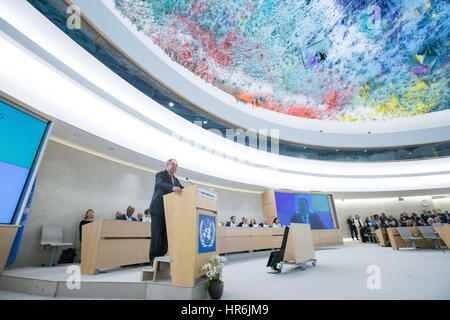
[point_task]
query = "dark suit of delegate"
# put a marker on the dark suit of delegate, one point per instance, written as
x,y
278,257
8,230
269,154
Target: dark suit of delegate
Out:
x,y
124,217
314,221
163,185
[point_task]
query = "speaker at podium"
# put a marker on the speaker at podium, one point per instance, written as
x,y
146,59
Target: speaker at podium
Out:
x,y
191,222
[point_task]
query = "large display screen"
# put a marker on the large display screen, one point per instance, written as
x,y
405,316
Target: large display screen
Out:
x,y
20,138
304,208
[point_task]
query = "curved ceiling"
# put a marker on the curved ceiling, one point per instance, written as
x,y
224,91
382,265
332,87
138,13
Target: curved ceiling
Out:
x,y
333,60
42,67
427,128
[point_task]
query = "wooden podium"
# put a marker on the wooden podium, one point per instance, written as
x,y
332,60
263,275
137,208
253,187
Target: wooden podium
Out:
x,y
191,221
7,236
299,247
111,243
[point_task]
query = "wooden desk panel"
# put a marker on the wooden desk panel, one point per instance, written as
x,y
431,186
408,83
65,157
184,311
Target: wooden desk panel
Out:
x,y
382,237
238,244
397,241
261,242
117,252
7,236
110,243
237,239
125,229
444,233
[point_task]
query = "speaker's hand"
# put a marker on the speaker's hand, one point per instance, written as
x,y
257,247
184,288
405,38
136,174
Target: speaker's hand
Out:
x,y
177,190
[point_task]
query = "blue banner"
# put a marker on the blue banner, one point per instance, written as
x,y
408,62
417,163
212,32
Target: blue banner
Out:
x,y
23,221
206,233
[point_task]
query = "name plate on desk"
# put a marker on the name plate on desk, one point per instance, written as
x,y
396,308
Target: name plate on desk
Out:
x,y
208,194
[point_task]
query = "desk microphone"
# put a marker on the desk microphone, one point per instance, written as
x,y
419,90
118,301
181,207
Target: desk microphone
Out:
x,y
187,179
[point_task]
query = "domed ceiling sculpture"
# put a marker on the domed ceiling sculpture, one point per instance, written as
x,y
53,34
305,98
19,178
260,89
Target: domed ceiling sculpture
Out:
x,y
344,60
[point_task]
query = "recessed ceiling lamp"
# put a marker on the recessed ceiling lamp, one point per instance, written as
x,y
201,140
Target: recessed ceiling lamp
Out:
x,y
171,104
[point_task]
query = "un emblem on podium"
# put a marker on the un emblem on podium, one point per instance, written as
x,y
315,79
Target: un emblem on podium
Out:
x,y
206,233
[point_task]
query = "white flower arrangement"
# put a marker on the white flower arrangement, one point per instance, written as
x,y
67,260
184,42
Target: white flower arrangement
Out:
x,y
214,270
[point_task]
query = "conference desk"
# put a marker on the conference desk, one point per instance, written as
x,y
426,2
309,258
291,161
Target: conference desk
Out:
x,y
397,241
112,243
239,239
444,234
382,237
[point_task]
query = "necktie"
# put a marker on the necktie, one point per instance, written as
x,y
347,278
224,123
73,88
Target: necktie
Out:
x,y
171,177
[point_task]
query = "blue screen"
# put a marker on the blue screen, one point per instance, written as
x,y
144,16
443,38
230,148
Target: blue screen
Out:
x,y
20,138
313,209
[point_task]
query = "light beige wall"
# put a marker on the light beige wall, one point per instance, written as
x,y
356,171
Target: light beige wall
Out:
x,y
71,181
367,207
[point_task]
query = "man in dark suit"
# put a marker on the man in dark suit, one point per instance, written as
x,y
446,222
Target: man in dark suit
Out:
x,y
303,215
165,183
352,226
232,222
128,216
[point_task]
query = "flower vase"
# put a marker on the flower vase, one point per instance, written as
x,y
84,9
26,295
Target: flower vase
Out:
x,y
215,290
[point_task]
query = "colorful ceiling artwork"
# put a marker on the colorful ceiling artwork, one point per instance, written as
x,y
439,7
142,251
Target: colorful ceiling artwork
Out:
x,y
346,60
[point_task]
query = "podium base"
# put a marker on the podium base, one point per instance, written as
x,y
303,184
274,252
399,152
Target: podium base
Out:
x,y
113,283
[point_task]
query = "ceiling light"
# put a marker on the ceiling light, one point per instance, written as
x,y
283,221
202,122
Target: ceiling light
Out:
x,y
171,104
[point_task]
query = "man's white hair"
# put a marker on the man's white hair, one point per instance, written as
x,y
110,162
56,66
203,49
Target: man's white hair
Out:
x,y
168,161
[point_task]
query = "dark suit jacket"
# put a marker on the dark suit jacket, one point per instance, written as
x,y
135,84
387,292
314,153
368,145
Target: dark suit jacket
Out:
x,y
124,217
314,221
163,185
351,223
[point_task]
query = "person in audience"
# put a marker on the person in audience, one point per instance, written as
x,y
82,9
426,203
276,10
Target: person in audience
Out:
x,y
232,222
374,221
403,223
367,220
423,215
421,223
276,223
264,224
406,216
118,214
147,217
88,218
128,216
444,217
393,224
244,222
434,213
383,217
379,225
140,217
358,222
415,217
352,226
414,223
366,232
253,223
391,218
409,223
437,222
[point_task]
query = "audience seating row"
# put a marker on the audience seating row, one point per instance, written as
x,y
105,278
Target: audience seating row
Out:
x,y
414,238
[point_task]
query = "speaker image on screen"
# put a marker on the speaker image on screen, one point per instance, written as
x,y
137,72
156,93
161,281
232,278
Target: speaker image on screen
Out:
x,y
21,138
313,209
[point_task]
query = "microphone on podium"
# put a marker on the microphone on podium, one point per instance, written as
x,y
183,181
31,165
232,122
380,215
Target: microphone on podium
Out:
x,y
187,179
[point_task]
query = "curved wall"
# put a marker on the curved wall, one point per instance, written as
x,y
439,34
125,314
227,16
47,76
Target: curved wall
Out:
x,y
45,69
